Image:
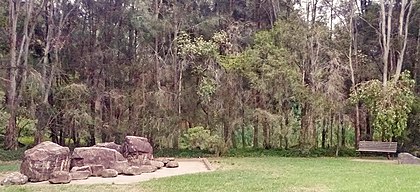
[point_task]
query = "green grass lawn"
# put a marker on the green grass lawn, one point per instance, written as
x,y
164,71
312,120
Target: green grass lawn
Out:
x,y
272,174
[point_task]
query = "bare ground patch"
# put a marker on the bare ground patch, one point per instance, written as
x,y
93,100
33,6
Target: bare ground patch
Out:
x,y
376,161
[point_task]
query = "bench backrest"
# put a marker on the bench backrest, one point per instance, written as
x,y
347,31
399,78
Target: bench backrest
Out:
x,y
376,146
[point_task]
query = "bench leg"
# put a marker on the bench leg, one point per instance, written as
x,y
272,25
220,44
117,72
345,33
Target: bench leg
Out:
x,y
388,156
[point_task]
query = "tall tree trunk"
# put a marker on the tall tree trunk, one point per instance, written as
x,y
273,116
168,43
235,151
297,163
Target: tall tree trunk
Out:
x,y
369,132
307,126
324,133
11,130
386,29
266,143
233,139
256,125
42,115
406,5
416,63
331,129
343,133
226,132
351,54
92,136
243,136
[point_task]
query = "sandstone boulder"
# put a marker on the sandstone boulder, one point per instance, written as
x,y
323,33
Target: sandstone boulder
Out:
x,y
133,170
120,166
407,158
109,158
15,178
163,160
110,145
60,177
97,170
83,168
172,164
106,173
45,158
137,150
80,175
157,164
138,160
148,168
133,144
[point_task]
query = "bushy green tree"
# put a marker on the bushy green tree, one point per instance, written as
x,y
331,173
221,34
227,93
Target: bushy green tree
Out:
x,y
388,105
201,138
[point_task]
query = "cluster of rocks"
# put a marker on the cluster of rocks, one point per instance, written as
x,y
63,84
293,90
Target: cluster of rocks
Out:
x,y
56,164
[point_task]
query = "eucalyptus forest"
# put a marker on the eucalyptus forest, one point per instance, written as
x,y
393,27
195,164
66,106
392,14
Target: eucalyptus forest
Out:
x,y
210,74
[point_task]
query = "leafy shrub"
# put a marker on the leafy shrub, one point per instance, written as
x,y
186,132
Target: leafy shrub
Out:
x,y
293,152
201,139
185,153
6,155
389,105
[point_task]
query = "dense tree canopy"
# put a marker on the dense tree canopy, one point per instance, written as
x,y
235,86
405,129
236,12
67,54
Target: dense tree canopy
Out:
x,y
243,73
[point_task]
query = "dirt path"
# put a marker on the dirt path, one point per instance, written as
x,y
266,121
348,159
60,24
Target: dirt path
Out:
x,y
185,167
376,161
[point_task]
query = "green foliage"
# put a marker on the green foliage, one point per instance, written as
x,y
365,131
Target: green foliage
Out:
x,y
293,152
201,138
389,106
253,152
197,47
269,63
204,55
24,123
183,153
4,116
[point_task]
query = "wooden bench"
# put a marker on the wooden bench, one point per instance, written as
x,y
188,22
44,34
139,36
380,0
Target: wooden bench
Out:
x,y
377,146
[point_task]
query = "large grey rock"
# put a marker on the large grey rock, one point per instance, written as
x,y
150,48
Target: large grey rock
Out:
x,y
407,158
60,177
44,159
97,170
80,175
110,145
172,164
133,170
137,150
15,178
148,168
106,173
86,156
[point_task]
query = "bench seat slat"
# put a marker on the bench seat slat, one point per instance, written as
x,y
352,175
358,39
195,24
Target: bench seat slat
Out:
x,y
373,150
375,146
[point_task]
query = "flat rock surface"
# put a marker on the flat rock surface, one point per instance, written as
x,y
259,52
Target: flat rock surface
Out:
x,y
185,167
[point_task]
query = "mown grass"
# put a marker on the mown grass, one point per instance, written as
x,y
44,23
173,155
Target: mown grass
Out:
x,y
9,166
271,174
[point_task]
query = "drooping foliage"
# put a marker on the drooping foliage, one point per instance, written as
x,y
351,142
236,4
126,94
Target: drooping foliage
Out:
x,y
251,73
